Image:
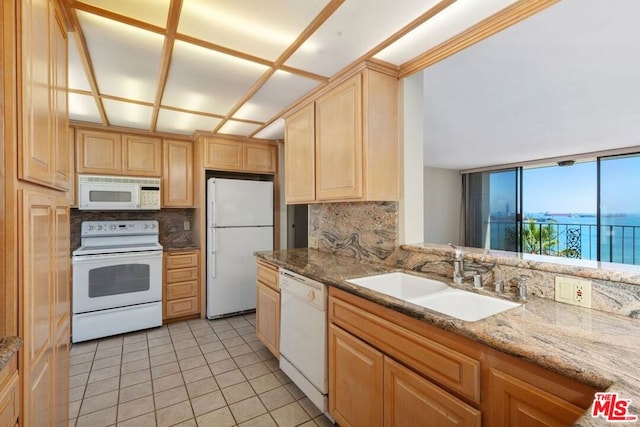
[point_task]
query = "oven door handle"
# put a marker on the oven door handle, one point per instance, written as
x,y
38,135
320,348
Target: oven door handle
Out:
x,y
114,256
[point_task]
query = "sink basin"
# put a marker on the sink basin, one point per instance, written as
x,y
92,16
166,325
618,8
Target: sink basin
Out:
x,y
400,285
464,305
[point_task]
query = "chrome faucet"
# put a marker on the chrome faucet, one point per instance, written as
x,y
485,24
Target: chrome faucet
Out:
x,y
521,283
458,265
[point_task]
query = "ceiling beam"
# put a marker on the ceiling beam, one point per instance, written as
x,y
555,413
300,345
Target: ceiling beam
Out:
x,y
85,57
165,62
487,27
317,22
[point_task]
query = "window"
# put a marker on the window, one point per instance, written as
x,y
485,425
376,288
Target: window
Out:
x,y
586,210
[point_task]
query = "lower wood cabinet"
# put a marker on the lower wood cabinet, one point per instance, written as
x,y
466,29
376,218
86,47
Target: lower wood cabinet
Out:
x,y
355,380
9,394
268,307
181,293
389,369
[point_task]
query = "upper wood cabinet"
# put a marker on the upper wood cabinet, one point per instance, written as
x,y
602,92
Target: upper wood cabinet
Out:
x,y
240,156
355,143
141,156
222,154
98,152
259,157
112,153
177,174
299,152
43,149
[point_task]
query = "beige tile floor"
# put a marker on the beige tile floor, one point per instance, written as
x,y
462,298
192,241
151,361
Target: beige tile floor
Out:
x,y
192,373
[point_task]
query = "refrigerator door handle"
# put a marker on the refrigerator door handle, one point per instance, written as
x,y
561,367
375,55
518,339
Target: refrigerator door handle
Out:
x,y
212,253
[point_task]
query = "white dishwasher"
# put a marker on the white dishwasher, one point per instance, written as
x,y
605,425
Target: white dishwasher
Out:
x,y
303,335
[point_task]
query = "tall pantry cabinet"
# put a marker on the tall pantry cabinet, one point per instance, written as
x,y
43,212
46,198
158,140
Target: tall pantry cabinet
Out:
x,y
35,285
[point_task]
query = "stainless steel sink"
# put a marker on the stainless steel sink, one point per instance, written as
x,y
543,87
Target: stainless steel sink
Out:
x,y
435,295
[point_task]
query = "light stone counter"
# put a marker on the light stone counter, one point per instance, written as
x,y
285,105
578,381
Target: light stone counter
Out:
x,y
591,346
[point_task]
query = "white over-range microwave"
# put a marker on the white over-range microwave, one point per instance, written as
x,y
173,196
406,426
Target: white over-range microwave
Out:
x,y
118,193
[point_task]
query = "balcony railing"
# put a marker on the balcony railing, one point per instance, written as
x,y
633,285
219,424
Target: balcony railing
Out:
x,y
619,243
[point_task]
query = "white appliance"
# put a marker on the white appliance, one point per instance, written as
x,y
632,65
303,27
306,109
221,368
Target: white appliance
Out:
x,y
303,335
118,193
117,279
240,222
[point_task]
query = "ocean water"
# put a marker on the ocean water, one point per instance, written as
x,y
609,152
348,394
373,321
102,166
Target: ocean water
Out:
x,y
620,235
620,241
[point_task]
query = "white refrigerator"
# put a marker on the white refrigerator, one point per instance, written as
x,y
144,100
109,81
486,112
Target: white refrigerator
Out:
x,y
239,222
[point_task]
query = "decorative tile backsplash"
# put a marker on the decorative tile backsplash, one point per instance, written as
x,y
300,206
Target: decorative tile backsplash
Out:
x,y
171,222
363,230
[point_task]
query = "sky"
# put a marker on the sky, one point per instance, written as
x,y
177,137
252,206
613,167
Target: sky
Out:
x,y
572,189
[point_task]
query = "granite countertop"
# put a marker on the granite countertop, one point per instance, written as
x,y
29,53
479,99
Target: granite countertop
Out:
x,y
9,346
175,248
590,346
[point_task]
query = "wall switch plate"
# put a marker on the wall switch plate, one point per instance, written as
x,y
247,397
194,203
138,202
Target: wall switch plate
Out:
x,y
313,242
573,291
187,225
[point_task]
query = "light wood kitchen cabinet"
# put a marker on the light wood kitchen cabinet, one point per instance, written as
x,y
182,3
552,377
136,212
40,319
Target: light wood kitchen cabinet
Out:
x,y
268,307
355,142
45,324
240,156
177,174
112,153
355,380
9,394
526,395
299,160
433,377
98,152
43,152
60,115
408,397
223,154
259,158
142,156
181,293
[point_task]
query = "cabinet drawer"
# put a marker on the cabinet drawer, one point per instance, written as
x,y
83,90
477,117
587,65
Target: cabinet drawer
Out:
x,y
182,290
446,367
268,274
182,275
182,307
181,260
9,401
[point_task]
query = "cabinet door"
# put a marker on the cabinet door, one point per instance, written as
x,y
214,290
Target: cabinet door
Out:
x,y
516,403
339,142
142,156
299,156
60,114
355,380
222,154
37,236
62,292
262,158
60,390
98,152
268,318
177,174
410,400
36,152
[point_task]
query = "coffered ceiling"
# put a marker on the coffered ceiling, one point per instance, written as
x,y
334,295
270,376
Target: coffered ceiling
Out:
x,y
234,66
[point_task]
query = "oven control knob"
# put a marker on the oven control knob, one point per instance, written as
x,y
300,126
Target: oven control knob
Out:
x,y
311,295
99,227
90,227
152,226
145,226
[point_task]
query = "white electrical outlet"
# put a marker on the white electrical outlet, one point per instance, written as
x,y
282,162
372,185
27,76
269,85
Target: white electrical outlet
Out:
x,y
573,291
187,225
